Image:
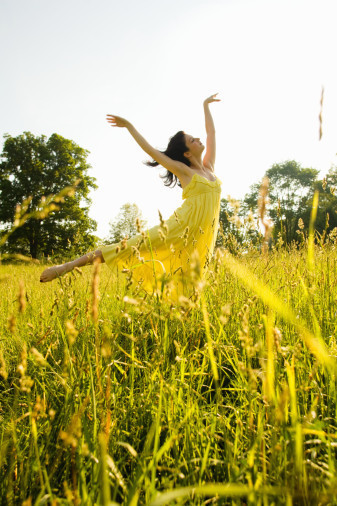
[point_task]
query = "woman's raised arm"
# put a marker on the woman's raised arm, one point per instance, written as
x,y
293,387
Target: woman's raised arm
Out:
x,y
179,169
209,158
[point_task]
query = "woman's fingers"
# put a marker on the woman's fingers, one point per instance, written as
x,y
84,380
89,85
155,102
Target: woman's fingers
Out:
x,y
212,98
112,120
116,120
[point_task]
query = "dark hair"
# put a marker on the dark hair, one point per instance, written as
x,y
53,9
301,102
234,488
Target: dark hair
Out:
x,y
175,150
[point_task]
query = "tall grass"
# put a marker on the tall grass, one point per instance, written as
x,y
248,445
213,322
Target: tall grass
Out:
x,y
110,398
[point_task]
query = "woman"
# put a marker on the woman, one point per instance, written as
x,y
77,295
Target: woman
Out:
x,y
174,251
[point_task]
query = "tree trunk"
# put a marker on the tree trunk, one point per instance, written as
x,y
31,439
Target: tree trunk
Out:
x,y
34,242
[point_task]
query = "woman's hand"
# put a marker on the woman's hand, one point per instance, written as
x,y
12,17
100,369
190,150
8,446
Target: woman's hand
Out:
x,y
211,99
117,121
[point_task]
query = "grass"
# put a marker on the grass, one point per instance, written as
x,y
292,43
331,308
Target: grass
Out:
x,y
228,400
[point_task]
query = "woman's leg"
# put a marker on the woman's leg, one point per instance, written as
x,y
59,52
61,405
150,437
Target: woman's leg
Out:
x,y
58,270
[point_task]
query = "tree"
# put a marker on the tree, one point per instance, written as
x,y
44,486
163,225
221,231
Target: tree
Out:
x,y
36,167
125,225
326,219
238,229
291,188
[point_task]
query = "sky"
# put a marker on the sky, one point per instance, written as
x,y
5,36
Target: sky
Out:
x,y
66,64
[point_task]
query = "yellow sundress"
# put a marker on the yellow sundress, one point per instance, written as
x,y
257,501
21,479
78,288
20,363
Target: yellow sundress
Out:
x,y
170,254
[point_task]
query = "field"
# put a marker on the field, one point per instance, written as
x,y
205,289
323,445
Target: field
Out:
x,y
109,398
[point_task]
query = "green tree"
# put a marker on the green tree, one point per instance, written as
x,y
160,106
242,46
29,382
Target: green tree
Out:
x,y
291,188
238,229
33,168
326,219
125,225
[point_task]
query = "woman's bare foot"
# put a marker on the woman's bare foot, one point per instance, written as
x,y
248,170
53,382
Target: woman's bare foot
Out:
x,y
55,272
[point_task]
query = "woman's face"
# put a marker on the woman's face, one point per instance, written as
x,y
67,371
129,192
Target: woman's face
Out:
x,y
194,145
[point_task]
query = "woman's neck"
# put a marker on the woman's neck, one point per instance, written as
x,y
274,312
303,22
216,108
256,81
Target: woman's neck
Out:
x,y
196,164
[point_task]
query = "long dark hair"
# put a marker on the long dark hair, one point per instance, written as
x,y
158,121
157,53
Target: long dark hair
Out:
x,y
175,150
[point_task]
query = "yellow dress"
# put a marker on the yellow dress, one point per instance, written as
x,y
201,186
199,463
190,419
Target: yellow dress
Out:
x,y
175,253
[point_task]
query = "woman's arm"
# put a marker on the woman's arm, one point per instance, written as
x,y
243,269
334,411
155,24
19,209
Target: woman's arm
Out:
x,y
179,169
209,158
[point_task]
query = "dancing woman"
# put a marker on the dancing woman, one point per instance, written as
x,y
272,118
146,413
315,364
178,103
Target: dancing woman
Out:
x,y
188,236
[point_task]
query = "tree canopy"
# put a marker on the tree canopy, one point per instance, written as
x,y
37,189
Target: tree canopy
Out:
x,y
32,168
125,225
291,189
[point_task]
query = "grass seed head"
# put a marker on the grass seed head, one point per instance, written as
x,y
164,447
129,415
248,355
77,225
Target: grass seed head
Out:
x,y
176,217
11,324
124,243
3,368
139,226
52,414
163,226
21,297
162,235
38,357
25,382
320,118
22,367
300,224
94,290
262,207
39,409
71,332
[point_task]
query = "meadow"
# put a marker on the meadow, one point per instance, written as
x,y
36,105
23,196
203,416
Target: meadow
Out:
x,y
107,397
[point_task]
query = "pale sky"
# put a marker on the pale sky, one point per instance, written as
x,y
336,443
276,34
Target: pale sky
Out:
x,y
66,64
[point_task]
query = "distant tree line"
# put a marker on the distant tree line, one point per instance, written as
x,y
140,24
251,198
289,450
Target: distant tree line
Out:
x,y
34,169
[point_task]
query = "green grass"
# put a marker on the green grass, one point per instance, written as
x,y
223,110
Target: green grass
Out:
x,y
229,400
